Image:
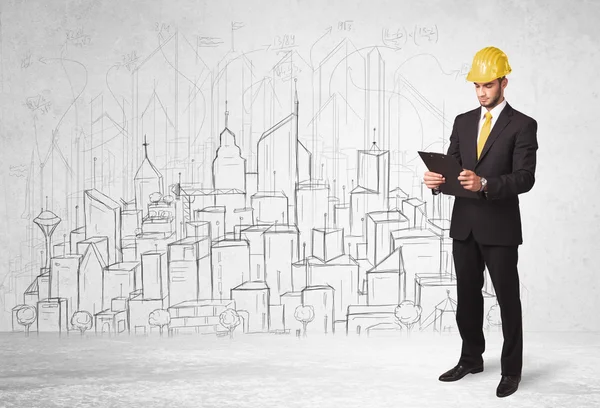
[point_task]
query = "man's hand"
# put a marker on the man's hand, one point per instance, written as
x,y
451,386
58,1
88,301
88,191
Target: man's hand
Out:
x,y
469,180
433,180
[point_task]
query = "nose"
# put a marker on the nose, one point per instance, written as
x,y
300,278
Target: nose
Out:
x,y
480,92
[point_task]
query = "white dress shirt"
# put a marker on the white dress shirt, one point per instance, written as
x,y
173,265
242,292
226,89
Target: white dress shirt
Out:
x,y
495,113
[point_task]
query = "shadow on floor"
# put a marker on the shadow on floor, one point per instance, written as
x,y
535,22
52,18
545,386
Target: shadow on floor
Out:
x,y
540,372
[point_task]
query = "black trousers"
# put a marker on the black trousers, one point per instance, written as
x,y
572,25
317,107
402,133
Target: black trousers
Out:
x,y
469,260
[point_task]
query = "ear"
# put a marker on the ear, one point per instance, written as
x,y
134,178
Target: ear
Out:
x,y
504,82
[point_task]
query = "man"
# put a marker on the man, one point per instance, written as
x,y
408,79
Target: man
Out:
x,y
496,146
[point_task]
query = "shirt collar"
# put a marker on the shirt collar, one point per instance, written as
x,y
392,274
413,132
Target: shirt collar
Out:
x,y
495,111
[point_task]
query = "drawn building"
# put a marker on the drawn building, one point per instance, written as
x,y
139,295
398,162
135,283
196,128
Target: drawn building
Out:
x,y
270,207
190,270
430,289
64,280
280,251
155,241
94,254
321,298
341,274
361,318
379,227
312,200
198,316
118,281
52,315
416,211
253,298
443,316
131,220
139,310
421,255
103,219
229,167
113,320
38,290
76,236
198,229
291,301
216,217
154,275
299,275
231,266
328,243
254,235
229,176
372,190
386,282
278,160
147,180
276,318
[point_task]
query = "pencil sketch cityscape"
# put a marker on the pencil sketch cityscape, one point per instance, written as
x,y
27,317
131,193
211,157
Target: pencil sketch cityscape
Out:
x,y
209,189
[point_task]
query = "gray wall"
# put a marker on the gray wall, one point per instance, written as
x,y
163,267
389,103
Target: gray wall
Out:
x,y
553,51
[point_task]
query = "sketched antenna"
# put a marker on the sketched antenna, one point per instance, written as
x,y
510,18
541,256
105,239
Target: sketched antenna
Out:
x,y
47,221
374,147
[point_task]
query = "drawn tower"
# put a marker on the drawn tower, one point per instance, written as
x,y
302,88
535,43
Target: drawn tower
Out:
x,y
277,159
147,180
47,221
229,167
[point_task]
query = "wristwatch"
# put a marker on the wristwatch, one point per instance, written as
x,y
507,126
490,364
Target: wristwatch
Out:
x,y
483,183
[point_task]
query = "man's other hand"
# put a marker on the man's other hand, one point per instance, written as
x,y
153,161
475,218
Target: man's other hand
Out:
x,y
469,180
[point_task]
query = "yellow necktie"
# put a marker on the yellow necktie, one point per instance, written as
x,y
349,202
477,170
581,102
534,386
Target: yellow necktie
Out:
x,y
485,132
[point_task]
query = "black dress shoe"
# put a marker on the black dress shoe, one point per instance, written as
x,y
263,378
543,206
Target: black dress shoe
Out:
x,y
508,385
459,372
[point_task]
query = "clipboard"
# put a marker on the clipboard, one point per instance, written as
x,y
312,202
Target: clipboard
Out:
x,y
448,167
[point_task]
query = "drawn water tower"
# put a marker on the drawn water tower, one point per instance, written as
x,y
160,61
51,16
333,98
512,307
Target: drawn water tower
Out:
x,y
47,221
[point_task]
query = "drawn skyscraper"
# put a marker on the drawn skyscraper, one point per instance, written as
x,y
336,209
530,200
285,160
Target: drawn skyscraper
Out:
x,y
103,219
147,180
278,161
229,167
229,178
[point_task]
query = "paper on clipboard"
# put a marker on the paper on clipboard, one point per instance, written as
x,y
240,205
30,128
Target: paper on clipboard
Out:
x,y
449,167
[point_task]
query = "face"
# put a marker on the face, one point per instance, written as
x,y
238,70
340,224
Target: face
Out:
x,y
491,93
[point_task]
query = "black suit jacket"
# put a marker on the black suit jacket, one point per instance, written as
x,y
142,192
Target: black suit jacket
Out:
x,y
508,162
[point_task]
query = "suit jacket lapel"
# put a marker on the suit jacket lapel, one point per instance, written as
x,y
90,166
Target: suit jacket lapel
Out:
x,y
470,160
499,126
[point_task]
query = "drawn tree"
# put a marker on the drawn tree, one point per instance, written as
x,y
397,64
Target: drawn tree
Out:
x,y
26,315
304,314
407,313
493,316
82,321
155,197
230,319
159,318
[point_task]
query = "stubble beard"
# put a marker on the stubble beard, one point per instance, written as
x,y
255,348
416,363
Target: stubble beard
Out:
x,y
493,103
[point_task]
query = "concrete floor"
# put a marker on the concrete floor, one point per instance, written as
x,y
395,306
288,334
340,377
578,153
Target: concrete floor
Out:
x,y
386,370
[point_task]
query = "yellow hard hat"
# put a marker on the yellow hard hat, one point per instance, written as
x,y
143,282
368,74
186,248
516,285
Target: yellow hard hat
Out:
x,y
488,64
